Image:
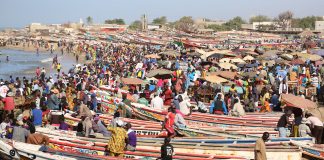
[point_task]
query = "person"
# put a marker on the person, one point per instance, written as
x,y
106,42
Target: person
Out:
x,y
179,121
53,101
9,103
266,106
143,100
238,109
316,126
37,115
19,133
63,125
116,143
169,121
184,106
37,138
167,150
260,148
167,96
283,122
102,128
131,142
157,102
38,72
218,106
303,128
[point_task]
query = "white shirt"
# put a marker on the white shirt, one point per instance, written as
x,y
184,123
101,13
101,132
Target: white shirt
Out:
x,y
315,121
157,103
3,91
184,107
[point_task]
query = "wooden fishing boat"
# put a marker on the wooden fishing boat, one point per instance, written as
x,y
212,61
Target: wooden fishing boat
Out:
x,y
310,149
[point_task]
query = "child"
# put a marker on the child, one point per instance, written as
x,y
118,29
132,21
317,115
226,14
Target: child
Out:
x,y
166,150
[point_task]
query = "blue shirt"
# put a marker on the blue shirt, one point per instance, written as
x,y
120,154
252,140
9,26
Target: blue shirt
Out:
x,y
37,114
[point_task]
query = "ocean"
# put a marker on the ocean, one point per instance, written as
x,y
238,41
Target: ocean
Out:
x,y
23,64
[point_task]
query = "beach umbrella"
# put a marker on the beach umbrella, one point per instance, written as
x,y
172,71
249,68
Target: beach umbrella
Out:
x,y
224,60
227,66
297,61
215,79
287,56
248,58
171,53
237,60
205,63
152,56
307,56
194,54
319,52
297,101
225,74
134,81
160,74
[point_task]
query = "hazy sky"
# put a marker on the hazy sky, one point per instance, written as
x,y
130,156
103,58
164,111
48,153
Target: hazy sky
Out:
x,y
18,13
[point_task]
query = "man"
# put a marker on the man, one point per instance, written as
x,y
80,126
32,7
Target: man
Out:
x,y
143,100
303,129
218,106
157,102
37,138
260,148
238,109
131,142
316,126
37,115
9,103
169,122
283,123
166,150
116,143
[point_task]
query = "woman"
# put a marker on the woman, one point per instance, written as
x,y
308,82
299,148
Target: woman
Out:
x,y
184,106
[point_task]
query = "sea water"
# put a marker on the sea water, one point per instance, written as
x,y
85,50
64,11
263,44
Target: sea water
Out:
x,y
24,64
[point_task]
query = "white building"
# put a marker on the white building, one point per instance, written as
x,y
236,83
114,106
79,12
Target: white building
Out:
x,y
319,25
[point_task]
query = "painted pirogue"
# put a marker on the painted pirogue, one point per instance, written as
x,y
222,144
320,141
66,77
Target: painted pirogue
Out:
x,y
229,148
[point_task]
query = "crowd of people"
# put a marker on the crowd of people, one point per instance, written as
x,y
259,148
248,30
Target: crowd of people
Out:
x,y
32,102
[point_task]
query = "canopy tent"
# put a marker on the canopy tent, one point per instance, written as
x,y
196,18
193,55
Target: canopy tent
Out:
x,y
227,66
160,73
215,79
134,81
296,101
194,54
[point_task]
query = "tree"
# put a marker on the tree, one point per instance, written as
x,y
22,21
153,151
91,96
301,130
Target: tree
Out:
x,y
185,24
160,20
234,24
136,25
217,27
284,19
118,21
259,18
89,20
306,22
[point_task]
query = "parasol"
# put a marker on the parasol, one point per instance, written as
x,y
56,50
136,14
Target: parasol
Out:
x,y
152,56
171,53
227,66
248,58
237,60
225,74
224,60
297,61
135,81
299,102
194,54
215,79
160,73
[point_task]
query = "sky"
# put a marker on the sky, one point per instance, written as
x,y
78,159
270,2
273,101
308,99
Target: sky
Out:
x,y
19,13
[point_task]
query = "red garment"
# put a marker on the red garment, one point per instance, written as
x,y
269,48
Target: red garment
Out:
x,y
167,97
170,122
9,103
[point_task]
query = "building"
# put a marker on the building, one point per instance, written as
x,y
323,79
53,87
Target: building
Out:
x,y
203,22
35,27
319,25
107,28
